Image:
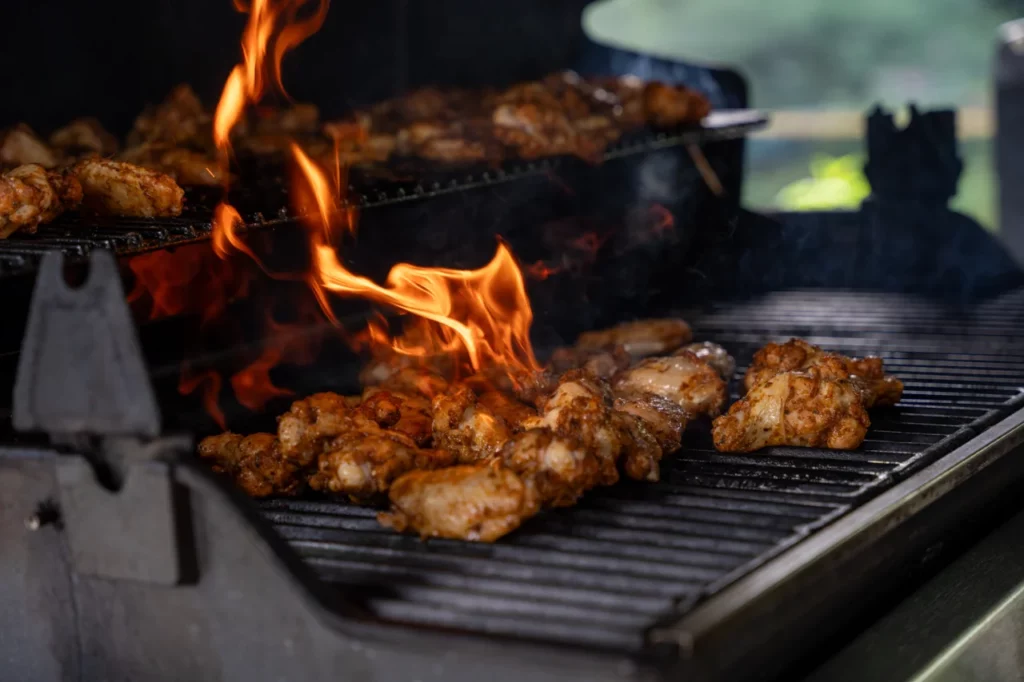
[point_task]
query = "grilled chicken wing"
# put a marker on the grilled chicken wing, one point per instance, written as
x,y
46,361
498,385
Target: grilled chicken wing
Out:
x,y
714,355
178,120
406,413
664,419
31,195
600,362
482,501
879,389
682,378
310,423
514,412
84,136
118,188
640,337
254,463
670,105
465,427
20,146
794,408
186,166
560,468
363,463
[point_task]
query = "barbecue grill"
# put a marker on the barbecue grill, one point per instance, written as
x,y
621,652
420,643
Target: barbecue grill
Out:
x,y
124,558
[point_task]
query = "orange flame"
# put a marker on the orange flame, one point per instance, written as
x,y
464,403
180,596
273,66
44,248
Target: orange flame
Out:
x,y
663,219
209,383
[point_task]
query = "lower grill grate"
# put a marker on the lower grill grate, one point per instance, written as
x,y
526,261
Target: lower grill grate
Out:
x,y
263,194
601,573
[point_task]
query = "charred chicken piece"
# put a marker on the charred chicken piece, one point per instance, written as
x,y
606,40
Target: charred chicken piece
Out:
x,y
640,337
682,378
363,463
794,408
122,189
482,502
254,463
31,195
879,388
20,146
603,363
407,413
714,355
580,408
84,137
560,468
663,418
467,428
305,429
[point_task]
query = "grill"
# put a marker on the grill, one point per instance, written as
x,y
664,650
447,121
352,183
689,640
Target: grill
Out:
x,y
263,198
603,573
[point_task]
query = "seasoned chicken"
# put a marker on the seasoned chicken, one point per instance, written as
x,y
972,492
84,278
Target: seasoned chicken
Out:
x,y
879,388
641,451
180,119
364,463
670,105
714,355
482,501
122,189
794,408
186,166
664,419
305,429
560,468
600,362
254,463
465,427
580,408
640,337
682,378
406,413
31,195
83,137
20,146
534,130
514,412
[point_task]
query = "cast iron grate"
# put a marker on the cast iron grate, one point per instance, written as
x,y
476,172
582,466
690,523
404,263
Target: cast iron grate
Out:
x,y
263,199
601,573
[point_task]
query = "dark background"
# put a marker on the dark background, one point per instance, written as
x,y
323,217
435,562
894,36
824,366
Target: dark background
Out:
x,y
108,58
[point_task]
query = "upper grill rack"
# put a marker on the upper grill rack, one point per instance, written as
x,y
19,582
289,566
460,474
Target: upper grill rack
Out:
x,y
603,572
263,199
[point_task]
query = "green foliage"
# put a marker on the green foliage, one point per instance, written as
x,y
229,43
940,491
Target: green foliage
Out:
x,y
835,182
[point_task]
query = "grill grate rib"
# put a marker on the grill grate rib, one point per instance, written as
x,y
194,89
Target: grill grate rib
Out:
x,y
601,573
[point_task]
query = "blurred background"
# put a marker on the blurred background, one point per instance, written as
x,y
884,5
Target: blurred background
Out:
x,y
819,65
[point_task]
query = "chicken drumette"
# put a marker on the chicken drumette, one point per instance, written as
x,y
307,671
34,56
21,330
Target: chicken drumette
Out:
x,y
123,189
255,463
682,378
466,427
713,354
560,468
31,195
640,337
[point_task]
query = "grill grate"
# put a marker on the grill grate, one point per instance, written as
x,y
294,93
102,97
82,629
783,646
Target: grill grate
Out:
x,y
264,194
601,573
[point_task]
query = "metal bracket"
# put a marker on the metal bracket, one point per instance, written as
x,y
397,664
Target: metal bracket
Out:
x,y
81,370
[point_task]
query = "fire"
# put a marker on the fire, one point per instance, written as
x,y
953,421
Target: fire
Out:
x,y
208,383
663,220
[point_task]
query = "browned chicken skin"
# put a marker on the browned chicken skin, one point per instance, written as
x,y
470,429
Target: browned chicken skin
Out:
x,y
599,362
482,501
467,428
560,468
682,378
254,463
879,388
312,422
123,189
639,338
514,412
31,195
407,413
794,408
713,354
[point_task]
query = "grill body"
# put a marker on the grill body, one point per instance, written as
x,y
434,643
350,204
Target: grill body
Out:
x,y
729,562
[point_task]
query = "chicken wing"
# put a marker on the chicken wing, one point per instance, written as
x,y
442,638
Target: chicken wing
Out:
x,y
671,105
514,412
406,413
254,463
800,409
682,378
122,189
879,389
310,423
364,463
482,502
31,195
600,362
640,337
83,137
20,146
178,120
560,468
467,428
186,166
714,355
664,418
